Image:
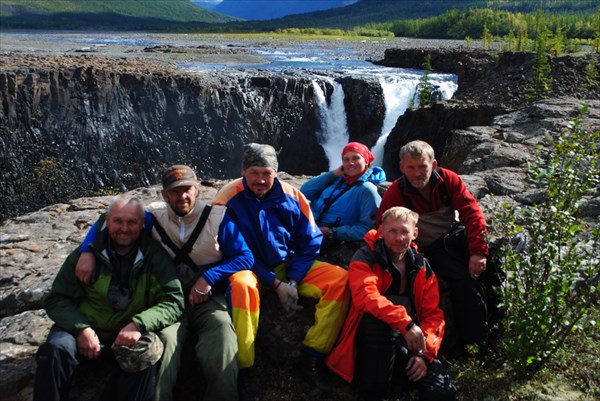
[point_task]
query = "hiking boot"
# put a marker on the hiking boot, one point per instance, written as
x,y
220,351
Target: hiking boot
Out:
x,y
244,392
315,373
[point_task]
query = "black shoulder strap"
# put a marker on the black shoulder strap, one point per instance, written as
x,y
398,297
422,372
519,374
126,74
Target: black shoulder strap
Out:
x,y
187,247
182,254
407,202
329,201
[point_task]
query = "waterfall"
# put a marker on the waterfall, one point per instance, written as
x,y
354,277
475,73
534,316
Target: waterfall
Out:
x,y
398,90
334,128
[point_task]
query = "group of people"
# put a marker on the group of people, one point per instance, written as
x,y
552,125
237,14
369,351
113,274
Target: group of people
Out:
x,y
146,280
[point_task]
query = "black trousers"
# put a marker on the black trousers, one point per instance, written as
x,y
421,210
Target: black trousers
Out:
x,y
57,360
463,299
382,351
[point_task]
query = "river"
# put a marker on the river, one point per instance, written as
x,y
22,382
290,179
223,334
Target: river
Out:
x,y
271,54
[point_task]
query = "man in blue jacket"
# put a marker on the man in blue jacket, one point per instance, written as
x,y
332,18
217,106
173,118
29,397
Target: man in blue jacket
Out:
x,y
277,222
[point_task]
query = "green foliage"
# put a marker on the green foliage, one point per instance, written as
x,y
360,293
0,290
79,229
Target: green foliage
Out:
x,y
486,38
458,24
597,31
358,32
541,79
424,82
551,285
423,94
591,72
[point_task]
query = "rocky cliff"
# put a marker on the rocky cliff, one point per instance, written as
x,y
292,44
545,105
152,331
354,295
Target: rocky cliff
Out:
x,y
71,126
78,125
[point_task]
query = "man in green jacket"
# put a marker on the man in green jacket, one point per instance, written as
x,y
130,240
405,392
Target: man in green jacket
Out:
x,y
135,291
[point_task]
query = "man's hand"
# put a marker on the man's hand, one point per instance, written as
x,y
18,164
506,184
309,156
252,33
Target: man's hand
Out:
x,y
128,335
88,343
416,368
200,292
477,265
85,268
288,296
415,340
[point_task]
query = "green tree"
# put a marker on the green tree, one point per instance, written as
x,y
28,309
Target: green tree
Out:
x,y
486,38
540,84
522,40
591,72
597,31
511,42
551,283
558,42
425,83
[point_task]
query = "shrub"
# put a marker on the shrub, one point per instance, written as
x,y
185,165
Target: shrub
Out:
x,y
550,286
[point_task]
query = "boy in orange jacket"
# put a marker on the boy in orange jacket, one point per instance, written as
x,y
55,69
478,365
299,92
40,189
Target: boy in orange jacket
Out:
x,y
394,321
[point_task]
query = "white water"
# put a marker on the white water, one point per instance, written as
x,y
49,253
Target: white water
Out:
x,y
398,90
334,129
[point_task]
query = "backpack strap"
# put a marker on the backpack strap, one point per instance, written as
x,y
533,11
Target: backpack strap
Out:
x,y
182,254
329,201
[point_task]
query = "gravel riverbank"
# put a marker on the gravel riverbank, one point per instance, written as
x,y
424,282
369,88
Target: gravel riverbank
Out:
x,y
207,48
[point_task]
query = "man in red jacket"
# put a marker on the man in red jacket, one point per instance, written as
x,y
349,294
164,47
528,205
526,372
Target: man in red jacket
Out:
x,y
395,321
452,235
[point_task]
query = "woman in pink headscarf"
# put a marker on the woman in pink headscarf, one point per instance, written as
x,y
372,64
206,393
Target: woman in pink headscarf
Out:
x,y
345,201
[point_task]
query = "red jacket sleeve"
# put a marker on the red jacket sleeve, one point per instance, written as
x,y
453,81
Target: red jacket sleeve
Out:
x,y
470,213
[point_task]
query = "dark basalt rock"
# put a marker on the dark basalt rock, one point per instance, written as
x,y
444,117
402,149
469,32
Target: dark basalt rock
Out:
x,y
500,79
73,126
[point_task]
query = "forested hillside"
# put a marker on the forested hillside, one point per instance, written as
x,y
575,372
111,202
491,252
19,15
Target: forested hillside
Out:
x,y
182,15
379,11
100,14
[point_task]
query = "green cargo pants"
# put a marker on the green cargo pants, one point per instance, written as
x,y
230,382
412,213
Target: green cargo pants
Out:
x,y
216,351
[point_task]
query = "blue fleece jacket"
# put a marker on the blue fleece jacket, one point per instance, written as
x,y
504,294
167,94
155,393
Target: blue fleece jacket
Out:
x,y
351,214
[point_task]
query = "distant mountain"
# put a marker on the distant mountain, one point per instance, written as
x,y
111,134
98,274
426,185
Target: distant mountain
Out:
x,y
271,9
208,4
103,14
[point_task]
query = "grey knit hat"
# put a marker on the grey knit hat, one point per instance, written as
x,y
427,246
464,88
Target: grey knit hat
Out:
x,y
141,355
257,155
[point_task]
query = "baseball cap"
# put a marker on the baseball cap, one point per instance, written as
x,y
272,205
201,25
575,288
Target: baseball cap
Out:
x,y
177,176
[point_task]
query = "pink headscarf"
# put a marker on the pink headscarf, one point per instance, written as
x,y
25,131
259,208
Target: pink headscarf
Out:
x,y
360,149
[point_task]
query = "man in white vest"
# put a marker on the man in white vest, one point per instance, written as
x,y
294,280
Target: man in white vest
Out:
x,y
213,262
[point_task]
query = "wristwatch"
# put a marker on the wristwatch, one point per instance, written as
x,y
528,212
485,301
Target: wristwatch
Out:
x,y
331,234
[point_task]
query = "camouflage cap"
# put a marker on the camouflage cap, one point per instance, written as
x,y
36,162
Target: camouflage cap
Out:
x,y
258,155
141,355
